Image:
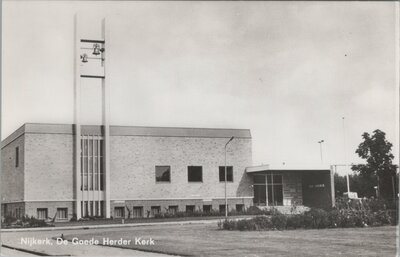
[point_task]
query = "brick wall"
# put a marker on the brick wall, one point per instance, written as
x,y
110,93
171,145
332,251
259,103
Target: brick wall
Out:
x,y
49,171
12,177
31,208
164,204
133,161
46,175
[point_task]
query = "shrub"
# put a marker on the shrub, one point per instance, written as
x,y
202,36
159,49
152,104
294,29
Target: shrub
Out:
x,y
279,220
317,218
295,221
74,217
8,220
346,215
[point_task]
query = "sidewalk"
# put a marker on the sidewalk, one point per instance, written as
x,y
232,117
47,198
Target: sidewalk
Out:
x,y
13,240
71,250
205,221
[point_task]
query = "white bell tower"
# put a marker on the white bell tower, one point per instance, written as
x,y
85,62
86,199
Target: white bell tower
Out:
x,y
91,152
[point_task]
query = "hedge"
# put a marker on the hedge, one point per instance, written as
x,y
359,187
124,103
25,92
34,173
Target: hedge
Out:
x,y
347,214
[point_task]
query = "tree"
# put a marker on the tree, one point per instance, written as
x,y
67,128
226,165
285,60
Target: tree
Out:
x,y
340,184
363,187
379,169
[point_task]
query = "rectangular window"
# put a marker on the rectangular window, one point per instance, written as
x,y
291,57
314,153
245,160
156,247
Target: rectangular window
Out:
x,y
163,173
62,213
239,207
195,174
259,179
173,209
16,157
101,208
18,212
119,212
229,174
275,189
91,163
222,208
96,209
207,208
42,213
190,208
155,210
137,212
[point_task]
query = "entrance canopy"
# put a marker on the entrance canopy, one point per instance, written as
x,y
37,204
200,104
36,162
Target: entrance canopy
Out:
x,y
286,185
269,167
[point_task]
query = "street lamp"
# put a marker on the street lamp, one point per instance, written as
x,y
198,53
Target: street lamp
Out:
x,y
320,148
226,199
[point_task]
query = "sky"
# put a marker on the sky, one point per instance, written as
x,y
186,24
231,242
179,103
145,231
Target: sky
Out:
x,y
288,71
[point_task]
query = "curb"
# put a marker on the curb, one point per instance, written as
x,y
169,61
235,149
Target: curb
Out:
x,y
30,251
114,225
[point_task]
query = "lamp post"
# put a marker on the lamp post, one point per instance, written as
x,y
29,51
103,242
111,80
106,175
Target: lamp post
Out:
x,y
226,199
320,149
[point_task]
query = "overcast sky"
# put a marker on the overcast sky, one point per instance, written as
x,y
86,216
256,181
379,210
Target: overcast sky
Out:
x,y
289,71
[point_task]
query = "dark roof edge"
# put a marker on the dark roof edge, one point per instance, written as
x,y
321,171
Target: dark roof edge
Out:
x,y
16,134
48,128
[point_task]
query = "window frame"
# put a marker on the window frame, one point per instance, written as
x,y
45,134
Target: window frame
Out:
x,y
66,213
207,211
155,171
173,209
17,157
122,212
188,207
188,170
153,208
239,207
46,210
227,172
137,208
221,208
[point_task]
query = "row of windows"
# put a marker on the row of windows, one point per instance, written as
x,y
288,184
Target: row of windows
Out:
x,y
195,173
137,211
42,213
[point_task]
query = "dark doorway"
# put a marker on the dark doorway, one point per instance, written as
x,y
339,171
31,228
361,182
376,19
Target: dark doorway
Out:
x,y
317,189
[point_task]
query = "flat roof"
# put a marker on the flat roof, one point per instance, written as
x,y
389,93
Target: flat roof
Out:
x,y
42,128
300,167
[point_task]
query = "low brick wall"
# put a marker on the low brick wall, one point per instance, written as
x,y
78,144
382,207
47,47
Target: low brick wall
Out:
x,y
164,204
31,208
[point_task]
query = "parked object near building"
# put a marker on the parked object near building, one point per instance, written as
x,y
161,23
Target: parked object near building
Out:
x,y
351,195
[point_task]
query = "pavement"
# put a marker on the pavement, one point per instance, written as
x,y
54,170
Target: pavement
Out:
x,y
19,240
11,252
205,221
51,248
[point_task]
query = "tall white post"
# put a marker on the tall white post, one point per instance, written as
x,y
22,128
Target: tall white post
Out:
x,y
226,199
77,127
345,158
106,123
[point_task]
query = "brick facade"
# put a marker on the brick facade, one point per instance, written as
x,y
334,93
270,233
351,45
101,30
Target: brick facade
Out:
x,y
45,175
133,161
12,177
